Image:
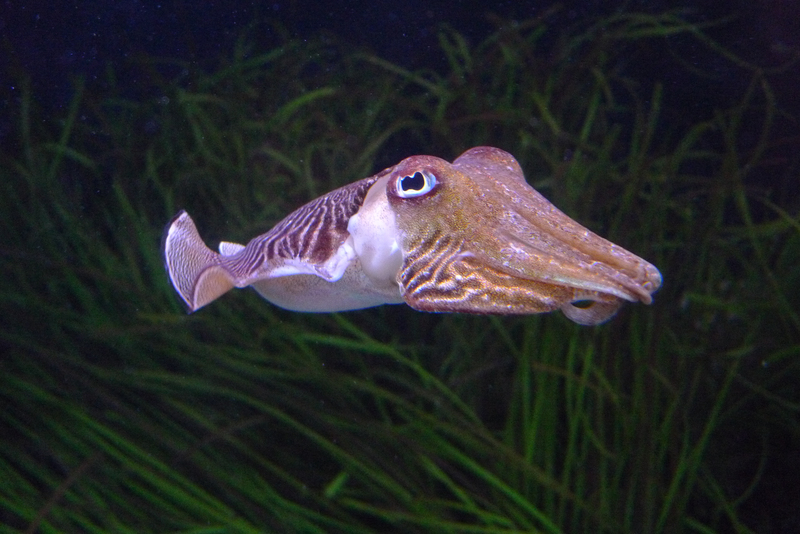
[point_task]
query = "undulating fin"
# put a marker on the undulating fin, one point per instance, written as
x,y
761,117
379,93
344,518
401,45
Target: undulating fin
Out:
x,y
227,248
193,268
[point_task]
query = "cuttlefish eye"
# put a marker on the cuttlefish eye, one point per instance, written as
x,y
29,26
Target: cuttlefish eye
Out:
x,y
415,185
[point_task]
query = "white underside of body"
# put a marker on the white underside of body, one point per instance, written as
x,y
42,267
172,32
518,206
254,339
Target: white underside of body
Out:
x,y
310,293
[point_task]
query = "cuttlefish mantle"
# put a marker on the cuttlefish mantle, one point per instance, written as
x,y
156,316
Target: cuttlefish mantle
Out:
x,y
469,237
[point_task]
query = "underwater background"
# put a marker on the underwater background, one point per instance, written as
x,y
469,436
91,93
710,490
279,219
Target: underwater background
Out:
x,y
669,128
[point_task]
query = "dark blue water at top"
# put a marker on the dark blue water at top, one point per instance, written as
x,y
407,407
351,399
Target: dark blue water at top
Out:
x,y
52,42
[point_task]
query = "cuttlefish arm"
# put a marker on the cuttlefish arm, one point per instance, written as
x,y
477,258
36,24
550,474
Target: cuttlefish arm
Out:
x,y
470,237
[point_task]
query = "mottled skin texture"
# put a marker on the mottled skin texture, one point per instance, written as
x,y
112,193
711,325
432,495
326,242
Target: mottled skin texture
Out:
x,y
472,237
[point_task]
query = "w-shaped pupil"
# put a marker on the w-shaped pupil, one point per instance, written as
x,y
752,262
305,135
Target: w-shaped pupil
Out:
x,y
414,182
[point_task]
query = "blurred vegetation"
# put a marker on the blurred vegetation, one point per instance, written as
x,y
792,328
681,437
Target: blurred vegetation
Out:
x,y
120,413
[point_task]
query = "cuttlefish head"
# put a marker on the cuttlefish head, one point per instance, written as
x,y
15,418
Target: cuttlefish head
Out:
x,y
473,236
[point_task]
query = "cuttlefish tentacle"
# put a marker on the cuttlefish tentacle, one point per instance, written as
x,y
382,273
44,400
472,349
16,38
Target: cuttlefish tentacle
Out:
x,y
471,236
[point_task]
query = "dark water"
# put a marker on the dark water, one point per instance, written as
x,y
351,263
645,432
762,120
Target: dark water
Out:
x,y
53,42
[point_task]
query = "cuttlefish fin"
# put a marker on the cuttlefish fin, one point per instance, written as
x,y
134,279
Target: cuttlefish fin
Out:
x,y
195,269
307,262
227,248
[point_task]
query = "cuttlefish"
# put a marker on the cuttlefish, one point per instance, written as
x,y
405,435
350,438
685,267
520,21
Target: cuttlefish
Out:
x,y
469,236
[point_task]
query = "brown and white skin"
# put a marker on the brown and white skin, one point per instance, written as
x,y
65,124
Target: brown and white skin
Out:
x,y
469,236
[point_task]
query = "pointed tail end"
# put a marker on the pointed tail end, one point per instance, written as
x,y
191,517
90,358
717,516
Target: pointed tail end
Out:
x,y
193,268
